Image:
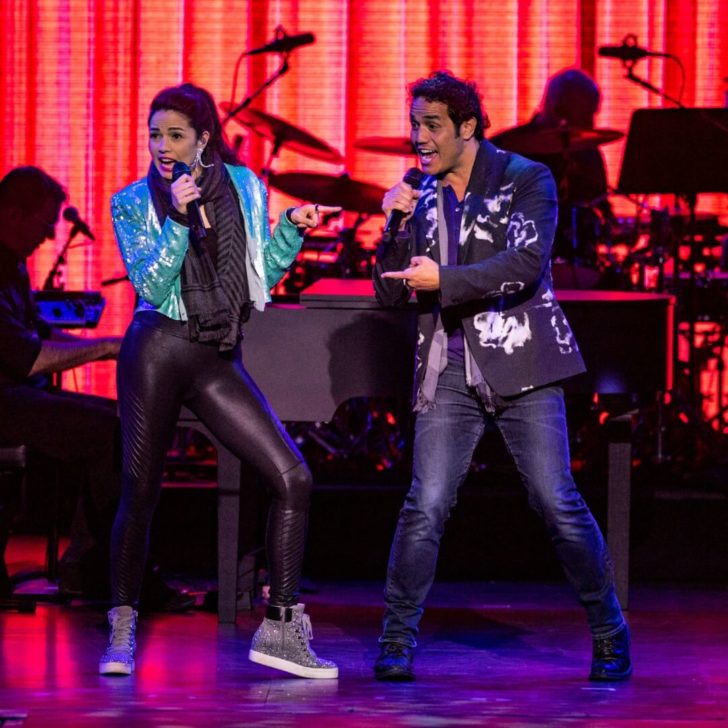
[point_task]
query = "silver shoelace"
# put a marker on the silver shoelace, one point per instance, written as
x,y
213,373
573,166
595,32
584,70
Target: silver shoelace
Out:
x,y
121,632
306,626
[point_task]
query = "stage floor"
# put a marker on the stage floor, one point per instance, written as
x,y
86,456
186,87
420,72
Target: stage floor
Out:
x,y
489,654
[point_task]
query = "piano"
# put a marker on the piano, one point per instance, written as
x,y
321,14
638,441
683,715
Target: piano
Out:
x,y
339,343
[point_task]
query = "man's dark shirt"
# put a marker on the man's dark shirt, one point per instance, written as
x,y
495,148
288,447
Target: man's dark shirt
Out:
x,y
453,211
21,331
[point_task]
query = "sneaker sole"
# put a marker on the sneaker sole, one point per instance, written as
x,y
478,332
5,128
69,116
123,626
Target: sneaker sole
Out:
x,y
394,676
321,673
116,668
615,677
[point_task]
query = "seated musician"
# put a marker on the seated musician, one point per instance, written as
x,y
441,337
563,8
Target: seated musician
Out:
x,y
570,102
76,433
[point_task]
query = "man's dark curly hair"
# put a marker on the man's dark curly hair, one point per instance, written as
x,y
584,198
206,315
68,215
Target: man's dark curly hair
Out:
x,y
462,99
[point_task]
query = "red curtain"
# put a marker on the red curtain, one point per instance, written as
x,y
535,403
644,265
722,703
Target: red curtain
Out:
x,y
77,76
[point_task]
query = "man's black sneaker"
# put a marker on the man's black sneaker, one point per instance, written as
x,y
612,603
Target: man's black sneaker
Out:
x,y
610,657
394,663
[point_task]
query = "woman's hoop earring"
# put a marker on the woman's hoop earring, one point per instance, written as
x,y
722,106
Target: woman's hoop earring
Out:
x,y
197,162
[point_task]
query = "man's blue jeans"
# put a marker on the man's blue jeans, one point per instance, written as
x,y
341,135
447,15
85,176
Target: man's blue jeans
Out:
x,y
533,426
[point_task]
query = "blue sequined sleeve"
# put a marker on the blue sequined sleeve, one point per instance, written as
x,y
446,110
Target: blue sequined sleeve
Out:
x,y
280,254
281,248
153,256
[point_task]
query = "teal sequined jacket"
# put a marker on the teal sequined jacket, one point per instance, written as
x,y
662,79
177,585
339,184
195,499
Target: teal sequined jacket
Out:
x,y
153,254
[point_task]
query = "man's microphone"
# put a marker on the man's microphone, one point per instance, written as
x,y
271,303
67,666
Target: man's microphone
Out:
x,y
193,208
629,51
284,43
413,177
79,226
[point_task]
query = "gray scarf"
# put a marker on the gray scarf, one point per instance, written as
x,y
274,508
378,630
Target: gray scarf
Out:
x,y
437,355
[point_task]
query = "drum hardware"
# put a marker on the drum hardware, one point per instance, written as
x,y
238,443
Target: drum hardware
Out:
x,y
366,433
326,189
282,134
237,145
339,256
642,246
282,44
649,253
648,268
716,344
529,139
362,198
354,261
683,152
594,250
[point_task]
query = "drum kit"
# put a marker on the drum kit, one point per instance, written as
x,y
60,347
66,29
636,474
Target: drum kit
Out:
x,y
342,255
608,253
562,140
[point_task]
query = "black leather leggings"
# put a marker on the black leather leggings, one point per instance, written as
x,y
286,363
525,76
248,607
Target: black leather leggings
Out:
x,y
158,371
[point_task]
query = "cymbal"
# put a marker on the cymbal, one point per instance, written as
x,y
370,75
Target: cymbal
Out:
x,y
528,139
327,189
281,133
386,145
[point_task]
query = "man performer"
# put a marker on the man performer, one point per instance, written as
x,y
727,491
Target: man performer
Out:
x,y
493,346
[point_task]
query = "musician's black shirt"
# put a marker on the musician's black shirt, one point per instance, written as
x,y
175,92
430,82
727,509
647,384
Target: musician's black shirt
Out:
x,y
21,330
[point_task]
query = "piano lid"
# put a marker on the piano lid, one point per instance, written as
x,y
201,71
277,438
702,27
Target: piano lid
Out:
x,y
359,293
340,293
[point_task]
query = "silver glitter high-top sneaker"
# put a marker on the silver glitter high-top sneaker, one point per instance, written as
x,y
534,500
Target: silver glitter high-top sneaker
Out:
x,y
118,659
282,642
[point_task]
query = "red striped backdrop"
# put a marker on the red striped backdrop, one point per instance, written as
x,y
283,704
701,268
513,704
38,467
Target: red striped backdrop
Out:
x,y
76,78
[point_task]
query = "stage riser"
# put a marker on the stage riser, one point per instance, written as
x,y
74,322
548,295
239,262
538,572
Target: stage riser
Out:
x,y
490,535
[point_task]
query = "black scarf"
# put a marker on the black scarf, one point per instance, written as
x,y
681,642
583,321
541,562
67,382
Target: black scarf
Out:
x,y
215,295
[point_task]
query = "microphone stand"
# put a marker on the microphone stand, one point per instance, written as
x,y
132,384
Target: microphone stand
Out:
x,y
113,281
646,84
284,68
691,200
51,282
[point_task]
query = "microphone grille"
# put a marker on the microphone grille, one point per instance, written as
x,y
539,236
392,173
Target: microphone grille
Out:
x,y
70,214
413,177
179,169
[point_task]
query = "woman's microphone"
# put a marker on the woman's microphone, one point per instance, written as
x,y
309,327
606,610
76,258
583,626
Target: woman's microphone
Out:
x,y
193,208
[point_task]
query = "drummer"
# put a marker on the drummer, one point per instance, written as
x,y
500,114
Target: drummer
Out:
x,y
571,100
